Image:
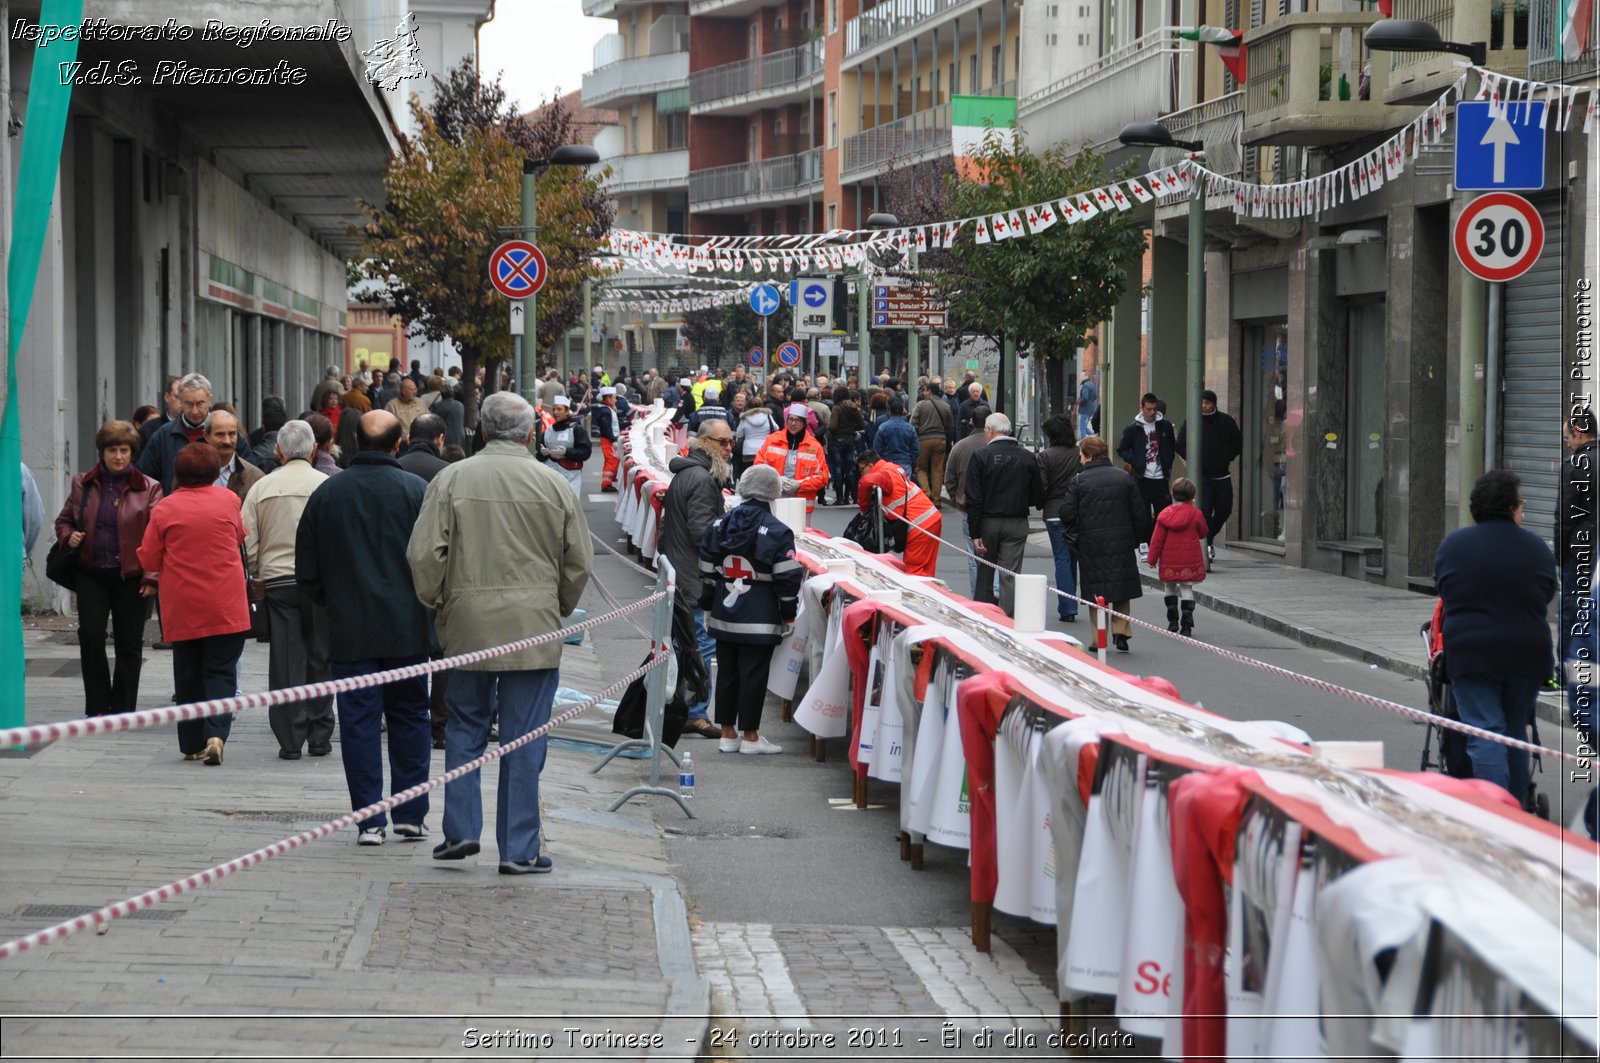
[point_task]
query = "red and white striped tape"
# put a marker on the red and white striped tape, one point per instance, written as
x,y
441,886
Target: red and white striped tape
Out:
x,y
1320,684
133,721
148,899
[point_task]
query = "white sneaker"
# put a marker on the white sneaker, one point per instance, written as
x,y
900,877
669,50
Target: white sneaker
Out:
x,y
728,745
1144,552
759,747
370,836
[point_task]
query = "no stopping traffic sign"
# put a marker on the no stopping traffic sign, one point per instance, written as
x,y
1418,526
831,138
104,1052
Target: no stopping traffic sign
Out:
x,y
1499,236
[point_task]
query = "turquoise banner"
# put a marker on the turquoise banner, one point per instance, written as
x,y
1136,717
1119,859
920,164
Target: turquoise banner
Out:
x,y
44,127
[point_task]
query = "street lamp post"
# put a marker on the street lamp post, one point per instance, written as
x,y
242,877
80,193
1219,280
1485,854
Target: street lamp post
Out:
x,y
1153,134
1472,456
566,155
877,222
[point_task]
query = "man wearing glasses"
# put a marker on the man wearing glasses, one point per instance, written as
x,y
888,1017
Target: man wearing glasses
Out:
x,y
694,499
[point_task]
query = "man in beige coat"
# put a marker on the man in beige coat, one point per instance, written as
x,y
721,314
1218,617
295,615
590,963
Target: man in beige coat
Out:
x,y
501,552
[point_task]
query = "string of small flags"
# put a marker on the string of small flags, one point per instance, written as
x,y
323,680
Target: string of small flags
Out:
x,y
781,255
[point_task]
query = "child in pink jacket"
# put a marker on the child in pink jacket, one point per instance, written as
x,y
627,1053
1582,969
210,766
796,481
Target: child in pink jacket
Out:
x,y
1177,549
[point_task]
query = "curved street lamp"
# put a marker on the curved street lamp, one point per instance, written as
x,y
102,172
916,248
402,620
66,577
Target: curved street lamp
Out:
x,y
565,155
1418,35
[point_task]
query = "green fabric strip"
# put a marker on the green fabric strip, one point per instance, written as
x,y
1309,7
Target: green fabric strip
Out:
x,y
43,129
976,110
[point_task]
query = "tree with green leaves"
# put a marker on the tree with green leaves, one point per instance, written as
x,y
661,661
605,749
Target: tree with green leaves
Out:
x,y
1046,291
453,195
723,335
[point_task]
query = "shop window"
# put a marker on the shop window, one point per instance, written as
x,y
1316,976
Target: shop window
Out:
x,y
1266,421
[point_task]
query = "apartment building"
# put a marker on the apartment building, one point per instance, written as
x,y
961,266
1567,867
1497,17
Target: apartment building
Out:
x,y
1372,377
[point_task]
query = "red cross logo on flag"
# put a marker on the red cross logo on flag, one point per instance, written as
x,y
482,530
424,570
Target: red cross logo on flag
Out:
x,y
1033,219
999,225
1155,183
1047,215
738,572
1121,200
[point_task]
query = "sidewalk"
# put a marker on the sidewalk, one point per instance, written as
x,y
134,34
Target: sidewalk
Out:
x,y
1375,624
332,948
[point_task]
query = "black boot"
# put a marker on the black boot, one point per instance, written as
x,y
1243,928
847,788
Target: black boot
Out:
x,y
1187,630
1172,611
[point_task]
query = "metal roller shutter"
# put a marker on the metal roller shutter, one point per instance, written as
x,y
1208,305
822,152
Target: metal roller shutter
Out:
x,y
1530,433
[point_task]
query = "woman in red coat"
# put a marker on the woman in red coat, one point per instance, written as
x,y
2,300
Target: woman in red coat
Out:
x,y
104,520
1178,548
903,500
191,551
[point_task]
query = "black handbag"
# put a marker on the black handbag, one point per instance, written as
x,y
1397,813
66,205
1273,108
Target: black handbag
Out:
x,y
61,563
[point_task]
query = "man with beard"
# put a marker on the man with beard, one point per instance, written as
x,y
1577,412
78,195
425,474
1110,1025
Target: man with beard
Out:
x,y
694,500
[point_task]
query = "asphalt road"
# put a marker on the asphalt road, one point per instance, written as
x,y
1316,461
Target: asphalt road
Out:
x,y
779,840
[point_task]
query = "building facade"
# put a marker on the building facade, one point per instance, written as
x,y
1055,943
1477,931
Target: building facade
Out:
x,y
199,226
1373,379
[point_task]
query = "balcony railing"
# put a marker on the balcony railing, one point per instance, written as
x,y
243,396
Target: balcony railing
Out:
x,y
1546,62
911,139
1299,91
762,75
1502,25
890,19
644,76
648,171
611,48
1135,83
785,177
669,33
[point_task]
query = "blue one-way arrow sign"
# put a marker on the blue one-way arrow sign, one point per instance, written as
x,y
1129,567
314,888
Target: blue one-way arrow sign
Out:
x,y
1499,147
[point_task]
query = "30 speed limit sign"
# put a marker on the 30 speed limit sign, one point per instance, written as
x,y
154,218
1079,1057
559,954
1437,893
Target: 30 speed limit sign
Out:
x,y
1499,236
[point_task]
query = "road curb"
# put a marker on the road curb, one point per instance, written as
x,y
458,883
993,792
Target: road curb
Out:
x,y
1546,710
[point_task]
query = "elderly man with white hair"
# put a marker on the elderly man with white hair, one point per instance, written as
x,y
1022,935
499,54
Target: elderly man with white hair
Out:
x,y
298,626
501,552
1003,484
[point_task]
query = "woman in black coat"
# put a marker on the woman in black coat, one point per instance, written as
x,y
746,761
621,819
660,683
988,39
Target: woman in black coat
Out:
x,y
1104,519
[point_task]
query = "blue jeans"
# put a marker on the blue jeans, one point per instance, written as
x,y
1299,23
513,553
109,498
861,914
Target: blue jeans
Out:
x,y
1504,705
708,654
1085,429
524,698
1066,569
361,712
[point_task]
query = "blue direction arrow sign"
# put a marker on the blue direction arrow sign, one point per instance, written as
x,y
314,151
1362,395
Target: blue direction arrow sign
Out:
x,y
789,353
1499,149
764,299
814,295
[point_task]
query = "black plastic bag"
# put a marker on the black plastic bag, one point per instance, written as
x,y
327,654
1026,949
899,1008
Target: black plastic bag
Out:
x,y
693,684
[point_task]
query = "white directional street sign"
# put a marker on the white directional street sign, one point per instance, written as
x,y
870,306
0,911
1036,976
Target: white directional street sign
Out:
x,y
813,305
764,299
1499,147
517,317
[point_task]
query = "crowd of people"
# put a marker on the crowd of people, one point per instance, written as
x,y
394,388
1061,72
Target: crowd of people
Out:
x,y
233,536
236,534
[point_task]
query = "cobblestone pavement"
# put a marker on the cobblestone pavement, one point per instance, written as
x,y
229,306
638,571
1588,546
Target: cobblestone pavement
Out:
x,y
332,949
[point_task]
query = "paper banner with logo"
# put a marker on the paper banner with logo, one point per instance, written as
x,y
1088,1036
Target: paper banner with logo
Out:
x,y
1148,957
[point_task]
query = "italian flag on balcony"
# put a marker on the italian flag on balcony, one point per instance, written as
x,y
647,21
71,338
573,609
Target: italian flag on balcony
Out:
x,y
1575,34
972,118
1229,44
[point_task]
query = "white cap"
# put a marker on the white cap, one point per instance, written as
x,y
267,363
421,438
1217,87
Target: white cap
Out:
x,y
561,400
713,394
704,369
685,382
799,410
597,369
607,391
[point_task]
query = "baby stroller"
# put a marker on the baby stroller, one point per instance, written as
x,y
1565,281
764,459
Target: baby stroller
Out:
x,y
1453,759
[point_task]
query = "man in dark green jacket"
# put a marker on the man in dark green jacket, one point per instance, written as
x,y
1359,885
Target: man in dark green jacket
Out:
x,y
375,622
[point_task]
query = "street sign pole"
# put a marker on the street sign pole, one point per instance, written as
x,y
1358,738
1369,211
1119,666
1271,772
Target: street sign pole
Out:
x,y
528,302
766,345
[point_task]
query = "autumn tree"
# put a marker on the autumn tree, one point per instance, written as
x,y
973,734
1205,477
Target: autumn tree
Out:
x,y
453,195
1043,292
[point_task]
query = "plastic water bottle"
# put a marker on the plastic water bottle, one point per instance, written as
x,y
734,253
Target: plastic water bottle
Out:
x,y
686,777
